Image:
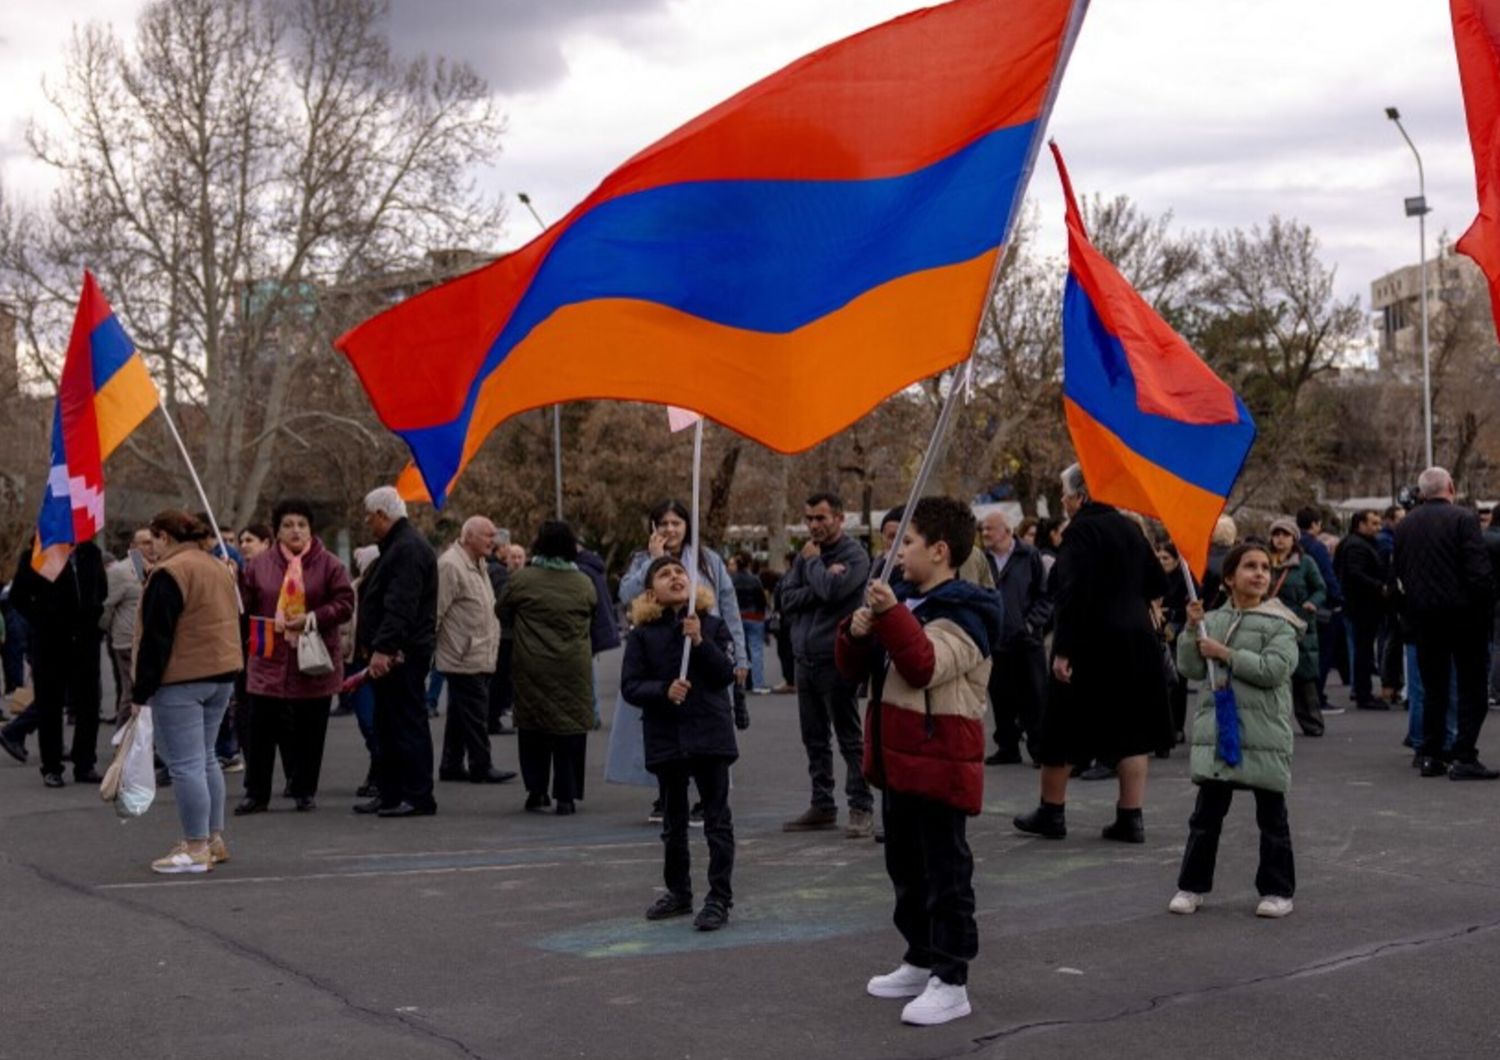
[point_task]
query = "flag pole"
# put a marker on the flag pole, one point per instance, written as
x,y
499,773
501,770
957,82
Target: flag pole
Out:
x,y
1192,595
939,440
697,549
197,483
557,482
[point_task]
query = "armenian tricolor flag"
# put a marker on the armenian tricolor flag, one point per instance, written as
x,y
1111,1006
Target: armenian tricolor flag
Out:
x,y
261,640
1476,35
1155,430
781,263
104,394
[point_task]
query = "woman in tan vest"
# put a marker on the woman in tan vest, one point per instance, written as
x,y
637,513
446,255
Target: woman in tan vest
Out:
x,y
187,652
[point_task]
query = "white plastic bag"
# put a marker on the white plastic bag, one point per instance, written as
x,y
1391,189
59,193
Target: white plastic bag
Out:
x,y
137,769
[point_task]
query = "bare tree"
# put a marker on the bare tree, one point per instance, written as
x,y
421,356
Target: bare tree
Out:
x,y
230,180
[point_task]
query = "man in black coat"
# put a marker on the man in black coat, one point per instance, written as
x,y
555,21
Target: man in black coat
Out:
x,y
1448,590
63,616
396,633
1108,697
1018,674
1366,595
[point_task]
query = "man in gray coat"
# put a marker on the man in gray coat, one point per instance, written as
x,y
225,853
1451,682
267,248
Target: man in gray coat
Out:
x,y
824,586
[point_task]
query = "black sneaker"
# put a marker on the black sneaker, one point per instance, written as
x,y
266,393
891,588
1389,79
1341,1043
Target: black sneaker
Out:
x,y
695,815
1475,770
712,917
1098,772
248,805
53,780
670,905
654,815
537,801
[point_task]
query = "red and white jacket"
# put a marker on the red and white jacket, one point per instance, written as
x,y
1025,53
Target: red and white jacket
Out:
x,y
925,734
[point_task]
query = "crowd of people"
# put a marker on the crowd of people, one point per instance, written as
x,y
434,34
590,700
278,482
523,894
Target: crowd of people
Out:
x,y
1085,636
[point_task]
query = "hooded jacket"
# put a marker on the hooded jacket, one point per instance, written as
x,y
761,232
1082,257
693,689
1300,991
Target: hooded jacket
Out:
x,y
1264,645
702,725
929,664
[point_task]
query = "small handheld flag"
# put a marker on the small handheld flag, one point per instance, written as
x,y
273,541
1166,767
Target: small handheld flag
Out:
x,y
1155,430
104,393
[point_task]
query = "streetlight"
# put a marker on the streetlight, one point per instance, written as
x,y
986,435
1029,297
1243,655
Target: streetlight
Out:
x,y
1417,207
557,409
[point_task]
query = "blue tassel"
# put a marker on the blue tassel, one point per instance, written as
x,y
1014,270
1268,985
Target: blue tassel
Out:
x,y
1227,721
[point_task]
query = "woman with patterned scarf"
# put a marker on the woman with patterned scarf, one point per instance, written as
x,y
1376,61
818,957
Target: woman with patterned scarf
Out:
x,y
550,606
289,588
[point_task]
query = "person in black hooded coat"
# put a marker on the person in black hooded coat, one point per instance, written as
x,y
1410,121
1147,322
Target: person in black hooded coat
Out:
x,y
688,729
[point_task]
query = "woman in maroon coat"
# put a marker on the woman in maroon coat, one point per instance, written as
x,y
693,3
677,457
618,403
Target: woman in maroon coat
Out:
x,y
287,588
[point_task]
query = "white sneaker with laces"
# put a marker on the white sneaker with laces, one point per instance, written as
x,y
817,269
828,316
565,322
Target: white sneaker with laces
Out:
x,y
940,1003
1274,907
906,981
180,860
1185,903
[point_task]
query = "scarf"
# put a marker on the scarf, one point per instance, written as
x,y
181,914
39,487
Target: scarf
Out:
x,y
292,602
553,563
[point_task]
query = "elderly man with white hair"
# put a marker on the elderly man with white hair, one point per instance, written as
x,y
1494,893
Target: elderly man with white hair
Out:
x,y
468,643
396,632
1448,592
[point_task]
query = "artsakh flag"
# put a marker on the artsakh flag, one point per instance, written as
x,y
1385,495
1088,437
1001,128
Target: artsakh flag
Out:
x,y
781,263
1155,430
104,394
1476,35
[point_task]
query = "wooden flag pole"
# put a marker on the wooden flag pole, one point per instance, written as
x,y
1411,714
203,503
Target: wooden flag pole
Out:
x,y
692,552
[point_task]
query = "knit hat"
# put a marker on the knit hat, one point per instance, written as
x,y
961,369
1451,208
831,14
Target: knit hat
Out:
x,y
1287,523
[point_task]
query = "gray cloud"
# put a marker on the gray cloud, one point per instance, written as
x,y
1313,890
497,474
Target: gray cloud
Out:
x,y
516,44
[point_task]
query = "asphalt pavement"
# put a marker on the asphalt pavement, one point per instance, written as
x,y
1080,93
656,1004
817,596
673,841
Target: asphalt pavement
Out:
x,y
489,932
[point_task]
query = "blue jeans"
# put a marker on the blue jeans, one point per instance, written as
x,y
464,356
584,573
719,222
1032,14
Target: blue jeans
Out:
x,y
1416,698
186,718
755,644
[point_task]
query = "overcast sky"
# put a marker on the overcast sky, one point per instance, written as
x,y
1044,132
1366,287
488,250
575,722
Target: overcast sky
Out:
x,y
1222,111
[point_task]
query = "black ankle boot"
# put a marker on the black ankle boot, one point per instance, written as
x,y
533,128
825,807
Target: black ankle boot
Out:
x,y
1129,827
1047,820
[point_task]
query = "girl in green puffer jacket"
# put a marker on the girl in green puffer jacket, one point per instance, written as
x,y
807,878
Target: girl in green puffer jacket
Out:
x,y
1251,642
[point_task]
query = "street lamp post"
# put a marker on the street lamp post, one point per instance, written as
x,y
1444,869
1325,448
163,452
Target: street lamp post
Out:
x,y
1417,208
557,409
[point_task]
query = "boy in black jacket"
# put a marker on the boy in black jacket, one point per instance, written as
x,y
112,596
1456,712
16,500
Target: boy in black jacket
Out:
x,y
689,731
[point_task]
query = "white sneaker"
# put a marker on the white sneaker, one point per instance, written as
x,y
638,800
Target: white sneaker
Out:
x,y
1185,903
1274,907
906,981
940,1003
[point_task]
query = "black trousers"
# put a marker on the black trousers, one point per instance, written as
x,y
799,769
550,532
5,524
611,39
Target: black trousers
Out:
x,y
1365,628
561,759
1305,705
299,727
932,869
502,687
1444,644
403,768
64,675
1393,661
466,729
712,777
1018,681
1277,875
825,701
